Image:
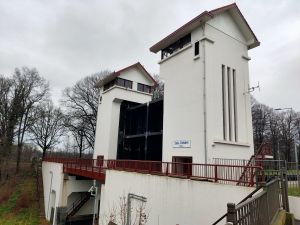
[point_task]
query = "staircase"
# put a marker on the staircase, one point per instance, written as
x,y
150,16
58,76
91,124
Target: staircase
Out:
x,y
76,206
264,149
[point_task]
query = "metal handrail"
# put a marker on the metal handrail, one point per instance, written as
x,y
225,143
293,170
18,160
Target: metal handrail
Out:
x,y
212,172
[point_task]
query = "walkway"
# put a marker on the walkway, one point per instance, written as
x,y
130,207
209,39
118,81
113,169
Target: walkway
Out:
x,y
95,169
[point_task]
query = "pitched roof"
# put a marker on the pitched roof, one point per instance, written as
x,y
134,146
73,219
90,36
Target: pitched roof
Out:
x,y
201,19
115,74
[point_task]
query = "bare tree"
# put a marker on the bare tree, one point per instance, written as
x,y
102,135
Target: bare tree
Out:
x,y
118,214
158,91
260,114
33,90
81,106
48,126
8,120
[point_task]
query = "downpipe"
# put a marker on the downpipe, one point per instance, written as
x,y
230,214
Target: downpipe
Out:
x,y
204,100
94,192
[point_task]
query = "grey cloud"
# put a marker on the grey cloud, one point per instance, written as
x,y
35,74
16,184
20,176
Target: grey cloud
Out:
x,y
66,40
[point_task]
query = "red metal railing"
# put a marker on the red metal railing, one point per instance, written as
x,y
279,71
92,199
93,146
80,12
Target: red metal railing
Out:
x,y
95,169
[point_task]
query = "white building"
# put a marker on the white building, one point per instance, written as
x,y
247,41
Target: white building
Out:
x,y
205,114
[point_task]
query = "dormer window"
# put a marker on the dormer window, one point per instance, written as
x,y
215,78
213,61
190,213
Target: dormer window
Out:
x,y
144,88
118,82
182,42
124,83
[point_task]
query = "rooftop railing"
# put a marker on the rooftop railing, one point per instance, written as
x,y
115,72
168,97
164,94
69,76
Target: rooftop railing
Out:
x,y
228,174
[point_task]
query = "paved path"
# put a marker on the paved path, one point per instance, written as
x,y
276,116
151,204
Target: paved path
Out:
x,y
297,222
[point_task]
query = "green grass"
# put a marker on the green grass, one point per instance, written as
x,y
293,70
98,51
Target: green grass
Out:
x,y
21,208
10,204
294,191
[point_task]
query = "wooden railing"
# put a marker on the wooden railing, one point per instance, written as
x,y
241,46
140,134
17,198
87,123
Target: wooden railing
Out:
x,y
95,169
258,210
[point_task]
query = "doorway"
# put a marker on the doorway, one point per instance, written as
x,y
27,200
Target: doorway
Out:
x,y
182,165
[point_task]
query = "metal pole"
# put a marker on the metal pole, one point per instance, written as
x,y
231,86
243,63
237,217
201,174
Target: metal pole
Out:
x,y
95,202
297,164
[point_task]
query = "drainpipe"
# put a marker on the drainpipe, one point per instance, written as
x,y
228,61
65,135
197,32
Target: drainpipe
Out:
x,y
49,193
94,193
204,100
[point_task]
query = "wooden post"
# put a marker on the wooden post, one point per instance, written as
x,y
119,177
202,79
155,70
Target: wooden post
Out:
x,y
167,171
231,213
284,189
216,173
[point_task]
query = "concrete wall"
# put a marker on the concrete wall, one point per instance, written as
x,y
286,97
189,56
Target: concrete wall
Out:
x,y
53,179
228,48
63,190
106,142
193,94
71,192
295,206
170,201
183,98
136,77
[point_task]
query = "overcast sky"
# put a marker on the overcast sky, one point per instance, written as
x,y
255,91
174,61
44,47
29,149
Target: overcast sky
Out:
x,y
66,40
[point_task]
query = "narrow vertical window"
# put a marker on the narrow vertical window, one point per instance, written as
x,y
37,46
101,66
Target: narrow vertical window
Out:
x,y
224,102
229,104
197,48
235,106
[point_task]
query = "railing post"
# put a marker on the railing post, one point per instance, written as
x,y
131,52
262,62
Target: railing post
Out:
x,y
167,170
284,189
251,177
189,170
231,214
216,173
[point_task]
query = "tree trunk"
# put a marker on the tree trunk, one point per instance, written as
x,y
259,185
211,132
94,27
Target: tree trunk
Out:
x,y
44,153
19,152
3,170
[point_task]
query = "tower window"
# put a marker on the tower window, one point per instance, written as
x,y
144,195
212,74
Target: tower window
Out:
x,y
197,50
118,82
177,45
144,88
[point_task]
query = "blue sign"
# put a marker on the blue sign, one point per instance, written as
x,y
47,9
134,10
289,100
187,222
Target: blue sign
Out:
x,y
182,144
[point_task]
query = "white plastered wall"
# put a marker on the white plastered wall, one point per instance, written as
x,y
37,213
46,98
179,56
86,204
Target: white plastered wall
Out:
x,y
71,192
53,179
295,206
169,200
183,101
106,141
228,48
193,94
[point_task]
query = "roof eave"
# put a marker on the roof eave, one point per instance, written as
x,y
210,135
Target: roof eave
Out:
x,y
180,32
254,45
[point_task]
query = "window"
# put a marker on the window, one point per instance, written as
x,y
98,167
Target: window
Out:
x,y
124,83
119,82
229,104
144,88
109,85
197,48
182,42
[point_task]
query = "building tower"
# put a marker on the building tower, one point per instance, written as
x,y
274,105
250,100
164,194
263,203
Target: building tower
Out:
x,y
204,64
132,84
